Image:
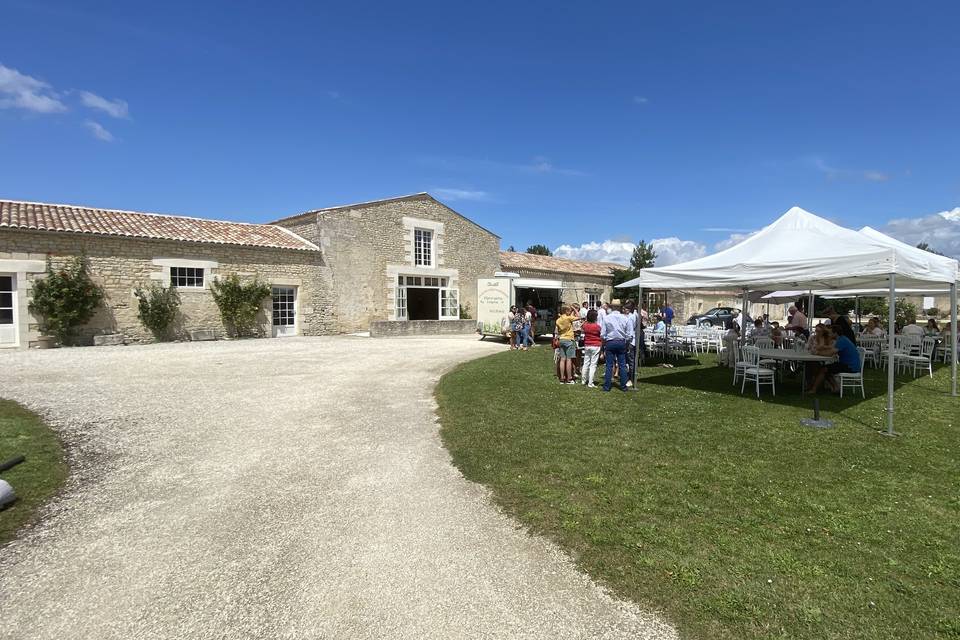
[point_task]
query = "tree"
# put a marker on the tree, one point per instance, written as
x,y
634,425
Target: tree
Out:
x,y
65,299
927,247
643,256
539,250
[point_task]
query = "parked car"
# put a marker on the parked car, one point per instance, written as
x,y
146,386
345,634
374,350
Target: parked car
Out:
x,y
716,317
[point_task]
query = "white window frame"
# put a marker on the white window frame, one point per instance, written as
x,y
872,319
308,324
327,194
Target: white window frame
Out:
x,y
449,304
295,319
593,299
400,305
424,252
14,329
203,278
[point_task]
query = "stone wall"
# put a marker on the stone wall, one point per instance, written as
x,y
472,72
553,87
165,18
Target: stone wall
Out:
x,y
575,286
389,328
122,264
367,245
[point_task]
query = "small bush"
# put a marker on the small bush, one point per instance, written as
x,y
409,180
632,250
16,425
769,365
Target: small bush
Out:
x,y
933,311
465,311
157,308
239,303
65,299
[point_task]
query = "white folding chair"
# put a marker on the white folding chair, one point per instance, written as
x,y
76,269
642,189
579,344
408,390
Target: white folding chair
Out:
x,y
754,372
854,380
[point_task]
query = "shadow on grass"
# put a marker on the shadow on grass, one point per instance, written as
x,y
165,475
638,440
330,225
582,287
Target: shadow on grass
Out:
x,y
706,376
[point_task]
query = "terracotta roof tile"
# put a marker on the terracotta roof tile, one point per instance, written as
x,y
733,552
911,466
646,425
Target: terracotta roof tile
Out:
x,y
110,222
513,261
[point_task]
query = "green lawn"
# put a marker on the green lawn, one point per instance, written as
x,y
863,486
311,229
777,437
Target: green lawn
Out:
x,y
721,510
36,479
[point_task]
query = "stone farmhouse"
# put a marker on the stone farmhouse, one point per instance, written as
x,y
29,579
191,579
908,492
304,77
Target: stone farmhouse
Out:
x,y
400,265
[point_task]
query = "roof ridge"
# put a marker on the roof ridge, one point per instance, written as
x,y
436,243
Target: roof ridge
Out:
x,y
129,211
352,205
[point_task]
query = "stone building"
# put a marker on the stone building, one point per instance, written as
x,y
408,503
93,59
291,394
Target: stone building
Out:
x,y
567,280
127,249
409,260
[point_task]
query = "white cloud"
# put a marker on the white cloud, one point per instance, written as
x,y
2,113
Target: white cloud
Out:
x,y
732,240
98,131
606,251
459,194
834,173
669,251
334,95
953,214
114,108
541,164
19,91
939,230
674,250
640,100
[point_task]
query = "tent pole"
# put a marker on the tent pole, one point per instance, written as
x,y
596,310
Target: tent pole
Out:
x,y
743,317
810,311
891,331
637,330
953,338
856,303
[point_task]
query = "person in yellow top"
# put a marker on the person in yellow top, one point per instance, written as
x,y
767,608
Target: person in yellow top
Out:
x,y
568,348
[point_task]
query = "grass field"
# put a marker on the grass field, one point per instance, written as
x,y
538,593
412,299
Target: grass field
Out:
x,y
36,479
720,510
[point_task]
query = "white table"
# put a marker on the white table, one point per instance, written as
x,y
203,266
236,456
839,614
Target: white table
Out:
x,y
803,357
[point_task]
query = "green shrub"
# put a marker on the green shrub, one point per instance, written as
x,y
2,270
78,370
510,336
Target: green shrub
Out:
x,y
65,299
157,308
465,311
933,311
239,303
906,313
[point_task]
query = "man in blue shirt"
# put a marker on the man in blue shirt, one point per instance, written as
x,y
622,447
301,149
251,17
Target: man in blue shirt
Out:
x,y
848,358
668,314
617,331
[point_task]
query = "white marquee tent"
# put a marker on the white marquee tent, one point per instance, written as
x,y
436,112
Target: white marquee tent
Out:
x,y
802,251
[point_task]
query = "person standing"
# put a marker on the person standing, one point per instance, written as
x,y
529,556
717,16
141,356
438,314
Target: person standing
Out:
x,y
531,324
568,348
668,314
592,343
842,322
630,310
584,309
616,332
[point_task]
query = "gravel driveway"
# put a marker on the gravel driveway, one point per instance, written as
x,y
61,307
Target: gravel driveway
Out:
x,y
292,488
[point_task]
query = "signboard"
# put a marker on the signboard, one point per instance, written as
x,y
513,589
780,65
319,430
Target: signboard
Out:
x,y
493,304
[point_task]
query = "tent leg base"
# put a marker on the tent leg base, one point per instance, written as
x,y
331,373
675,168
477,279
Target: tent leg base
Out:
x,y
889,434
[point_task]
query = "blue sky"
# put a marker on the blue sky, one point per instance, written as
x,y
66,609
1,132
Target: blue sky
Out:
x,y
585,125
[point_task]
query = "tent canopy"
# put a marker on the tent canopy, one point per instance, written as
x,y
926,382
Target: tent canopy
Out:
x,y
802,251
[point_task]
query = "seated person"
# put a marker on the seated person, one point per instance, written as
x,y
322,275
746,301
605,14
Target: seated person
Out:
x,y
776,333
931,330
730,339
759,331
912,329
873,328
821,343
848,359
660,326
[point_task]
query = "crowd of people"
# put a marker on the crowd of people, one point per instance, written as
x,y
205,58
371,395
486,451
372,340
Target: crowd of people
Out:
x,y
587,336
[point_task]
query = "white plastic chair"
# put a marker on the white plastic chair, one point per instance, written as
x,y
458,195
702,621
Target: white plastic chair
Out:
x,y
924,360
854,380
754,372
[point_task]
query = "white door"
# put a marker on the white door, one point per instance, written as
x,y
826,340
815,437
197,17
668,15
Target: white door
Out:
x,y
8,314
449,304
284,311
